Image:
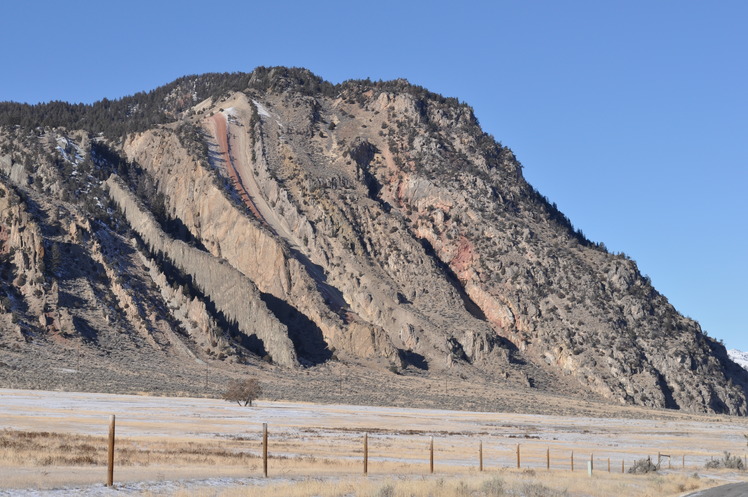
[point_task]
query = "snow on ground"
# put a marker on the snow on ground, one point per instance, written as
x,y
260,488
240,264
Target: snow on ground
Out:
x,y
396,434
88,413
261,110
170,487
164,487
739,357
64,145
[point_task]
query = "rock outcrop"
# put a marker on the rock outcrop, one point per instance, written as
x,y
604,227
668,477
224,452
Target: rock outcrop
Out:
x,y
373,224
22,267
233,293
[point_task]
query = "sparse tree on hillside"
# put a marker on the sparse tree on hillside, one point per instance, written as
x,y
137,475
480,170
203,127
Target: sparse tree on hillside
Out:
x,y
55,257
243,392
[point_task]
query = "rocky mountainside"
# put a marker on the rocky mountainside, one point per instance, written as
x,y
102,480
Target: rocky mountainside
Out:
x,y
273,222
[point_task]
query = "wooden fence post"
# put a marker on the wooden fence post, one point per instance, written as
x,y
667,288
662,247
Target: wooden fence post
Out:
x,y
265,449
683,461
548,458
518,458
572,461
609,465
431,455
592,462
623,466
366,453
110,455
480,455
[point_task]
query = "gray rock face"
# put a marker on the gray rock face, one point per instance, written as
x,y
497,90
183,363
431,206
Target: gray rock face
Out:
x,y
232,292
371,223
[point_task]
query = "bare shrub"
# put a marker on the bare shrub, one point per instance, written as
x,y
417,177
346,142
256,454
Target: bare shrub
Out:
x,y
643,466
243,391
728,461
387,490
540,490
493,487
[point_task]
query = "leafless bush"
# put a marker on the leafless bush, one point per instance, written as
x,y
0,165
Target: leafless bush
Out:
x,y
643,466
728,461
387,490
243,391
540,490
493,487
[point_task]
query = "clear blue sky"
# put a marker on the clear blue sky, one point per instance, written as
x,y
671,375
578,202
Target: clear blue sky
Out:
x,y
631,115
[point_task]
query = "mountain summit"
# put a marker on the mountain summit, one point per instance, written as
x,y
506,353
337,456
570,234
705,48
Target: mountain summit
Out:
x,y
272,221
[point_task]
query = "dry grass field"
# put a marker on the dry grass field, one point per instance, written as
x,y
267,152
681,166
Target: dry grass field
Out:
x,y
55,442
528,483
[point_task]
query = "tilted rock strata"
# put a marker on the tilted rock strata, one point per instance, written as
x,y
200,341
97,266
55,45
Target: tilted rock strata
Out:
x,y
232,292
194,197
373,223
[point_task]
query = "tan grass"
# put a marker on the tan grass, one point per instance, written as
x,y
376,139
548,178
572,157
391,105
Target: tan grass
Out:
x,y
63,442
528,483
324,456
28,448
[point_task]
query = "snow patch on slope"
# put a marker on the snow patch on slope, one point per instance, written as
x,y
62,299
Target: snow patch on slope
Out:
x,y
739,357
261,110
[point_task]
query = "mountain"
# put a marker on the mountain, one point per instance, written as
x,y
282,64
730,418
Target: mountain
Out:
x,y
738,357
273,223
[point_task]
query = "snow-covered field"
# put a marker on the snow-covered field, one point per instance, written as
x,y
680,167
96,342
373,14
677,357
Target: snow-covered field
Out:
x,y
159,487
334,433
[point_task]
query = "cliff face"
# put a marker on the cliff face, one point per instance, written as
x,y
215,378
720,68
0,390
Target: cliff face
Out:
x,y
22,255
374,224
233,293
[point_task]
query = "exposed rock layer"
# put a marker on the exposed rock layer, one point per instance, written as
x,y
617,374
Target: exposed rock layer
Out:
x,y
232,292
373,223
